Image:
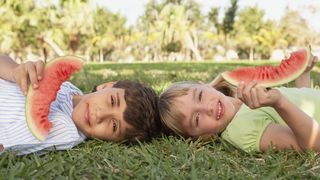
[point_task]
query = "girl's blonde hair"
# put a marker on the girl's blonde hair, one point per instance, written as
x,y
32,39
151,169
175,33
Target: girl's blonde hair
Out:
x,y
170,116
223,86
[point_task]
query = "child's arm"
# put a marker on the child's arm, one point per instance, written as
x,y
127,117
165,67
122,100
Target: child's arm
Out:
x,y
6,67
22,74
304,79
304,131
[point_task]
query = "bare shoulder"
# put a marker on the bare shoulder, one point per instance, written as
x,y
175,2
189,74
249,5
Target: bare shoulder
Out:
x,y
279,136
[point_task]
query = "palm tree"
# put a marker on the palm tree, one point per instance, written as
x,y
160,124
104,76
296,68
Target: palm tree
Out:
x,y
109,32
76,21
175,22
17,23
247,27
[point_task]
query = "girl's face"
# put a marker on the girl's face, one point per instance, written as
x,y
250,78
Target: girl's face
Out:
x,y
206,110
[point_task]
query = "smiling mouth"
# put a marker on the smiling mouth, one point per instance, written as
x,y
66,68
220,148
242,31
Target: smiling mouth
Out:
x,y
220,110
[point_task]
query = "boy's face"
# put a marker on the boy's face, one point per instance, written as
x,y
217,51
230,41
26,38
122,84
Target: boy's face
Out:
x,y
206,111
100,114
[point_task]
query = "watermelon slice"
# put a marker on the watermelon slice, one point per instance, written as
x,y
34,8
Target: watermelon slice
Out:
x,y
269,76
38,100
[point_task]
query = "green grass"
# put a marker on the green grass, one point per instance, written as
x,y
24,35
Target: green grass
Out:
x,y
163,158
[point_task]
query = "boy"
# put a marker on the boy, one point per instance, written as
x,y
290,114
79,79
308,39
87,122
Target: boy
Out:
x,y
120,111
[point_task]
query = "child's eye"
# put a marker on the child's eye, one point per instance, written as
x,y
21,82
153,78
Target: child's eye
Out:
x,y
200,96
112,101
114,126
197,119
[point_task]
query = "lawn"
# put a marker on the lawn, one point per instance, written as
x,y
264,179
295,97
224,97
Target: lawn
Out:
x,y
166,157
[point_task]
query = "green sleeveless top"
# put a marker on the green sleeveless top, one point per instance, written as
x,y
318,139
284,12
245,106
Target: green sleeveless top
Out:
x,y
246,129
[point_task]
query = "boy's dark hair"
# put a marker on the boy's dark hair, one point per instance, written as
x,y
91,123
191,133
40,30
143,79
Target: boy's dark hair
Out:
x,y
142,111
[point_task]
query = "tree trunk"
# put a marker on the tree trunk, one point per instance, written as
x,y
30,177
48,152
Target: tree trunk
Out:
x,y
226,47
101,55
88,53
190,44
54,46
251,54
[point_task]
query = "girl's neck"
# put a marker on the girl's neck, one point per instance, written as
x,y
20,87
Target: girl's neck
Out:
x,y
236,103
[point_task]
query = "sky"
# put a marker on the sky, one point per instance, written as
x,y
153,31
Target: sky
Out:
x,y
274,9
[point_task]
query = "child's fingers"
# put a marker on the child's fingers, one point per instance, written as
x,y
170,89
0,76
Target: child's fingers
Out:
x,y
312,63
262,94
240,90
247,93
315,60
254,98
33,75
24,85
39,69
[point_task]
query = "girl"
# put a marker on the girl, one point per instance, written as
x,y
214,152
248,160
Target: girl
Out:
x,y
250,117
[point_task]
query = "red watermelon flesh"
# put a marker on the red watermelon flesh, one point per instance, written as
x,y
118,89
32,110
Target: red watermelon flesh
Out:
x,y
38,100
269,76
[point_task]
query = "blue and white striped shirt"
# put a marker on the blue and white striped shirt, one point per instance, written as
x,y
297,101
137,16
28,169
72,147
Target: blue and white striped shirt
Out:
x,y
14,133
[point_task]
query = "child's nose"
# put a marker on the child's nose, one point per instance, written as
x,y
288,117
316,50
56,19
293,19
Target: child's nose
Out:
x,y
101,115
209,109
99,118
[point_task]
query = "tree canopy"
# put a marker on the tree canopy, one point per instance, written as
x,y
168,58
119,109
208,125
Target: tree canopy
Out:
x,y
168,30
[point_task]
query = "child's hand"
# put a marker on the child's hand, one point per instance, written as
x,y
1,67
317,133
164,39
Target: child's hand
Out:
x,y
311,65
304,80
256,97
28,72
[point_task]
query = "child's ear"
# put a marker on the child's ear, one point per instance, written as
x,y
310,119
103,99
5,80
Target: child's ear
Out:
x,y
105,85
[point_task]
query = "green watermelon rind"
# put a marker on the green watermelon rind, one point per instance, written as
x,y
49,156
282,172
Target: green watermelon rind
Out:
x,y
290,78
31,124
